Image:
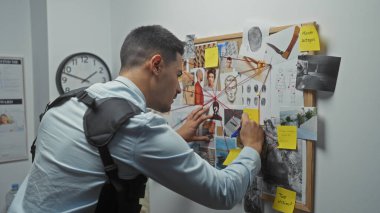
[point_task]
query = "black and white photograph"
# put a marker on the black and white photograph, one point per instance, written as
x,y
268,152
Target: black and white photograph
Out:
x,y
189,50
282,167
232,118
317,72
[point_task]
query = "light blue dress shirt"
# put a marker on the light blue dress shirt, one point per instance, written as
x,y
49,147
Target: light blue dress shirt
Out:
x,y
67,174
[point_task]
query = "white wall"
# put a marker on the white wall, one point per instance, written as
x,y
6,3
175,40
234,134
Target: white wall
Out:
x,y
347,169
77,26
15,40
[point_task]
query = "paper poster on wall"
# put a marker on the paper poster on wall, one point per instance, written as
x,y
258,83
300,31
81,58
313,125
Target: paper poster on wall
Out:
x,y
13,144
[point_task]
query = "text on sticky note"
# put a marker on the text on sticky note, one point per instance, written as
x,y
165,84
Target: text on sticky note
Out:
x,y
284,200
287,137
211,57
232,155
309,39
253,114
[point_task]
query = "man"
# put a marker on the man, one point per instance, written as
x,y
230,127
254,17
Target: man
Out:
x,y
67,173
199,99
228,64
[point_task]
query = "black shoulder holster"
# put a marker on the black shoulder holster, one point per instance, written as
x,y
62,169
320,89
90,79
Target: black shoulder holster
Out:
x,y
100,123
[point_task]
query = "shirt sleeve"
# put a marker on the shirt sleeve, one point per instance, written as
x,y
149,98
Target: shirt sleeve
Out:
x,y
164,156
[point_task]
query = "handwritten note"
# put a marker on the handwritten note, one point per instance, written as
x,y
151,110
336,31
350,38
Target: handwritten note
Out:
x,y
231,156
284,200
253,114
287,137
309,39
211,57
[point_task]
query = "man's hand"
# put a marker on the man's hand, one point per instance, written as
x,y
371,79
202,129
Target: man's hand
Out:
x,y
251,134
193,120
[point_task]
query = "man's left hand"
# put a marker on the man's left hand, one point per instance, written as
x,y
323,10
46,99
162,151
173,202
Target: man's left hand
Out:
x,y
189,128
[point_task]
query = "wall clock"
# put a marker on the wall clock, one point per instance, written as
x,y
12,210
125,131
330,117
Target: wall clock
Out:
x,y
81,70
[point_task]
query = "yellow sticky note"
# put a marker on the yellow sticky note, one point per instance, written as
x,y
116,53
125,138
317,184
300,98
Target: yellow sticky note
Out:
x,y
287,137
253,114
309,39
284,200
211,57
231,156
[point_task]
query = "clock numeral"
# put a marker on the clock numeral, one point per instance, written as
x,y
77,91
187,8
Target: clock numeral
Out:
x,y
104,79
84,59
67,89
75,62
64,79
68,69
101,69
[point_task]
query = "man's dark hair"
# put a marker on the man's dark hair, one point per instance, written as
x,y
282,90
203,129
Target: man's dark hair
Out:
x,y
143,42
213,71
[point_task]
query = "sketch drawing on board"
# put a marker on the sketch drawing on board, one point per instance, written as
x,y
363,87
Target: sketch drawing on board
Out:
x,y
231,90
283,87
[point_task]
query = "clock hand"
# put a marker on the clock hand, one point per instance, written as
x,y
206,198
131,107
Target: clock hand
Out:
x,y
74,76
86,79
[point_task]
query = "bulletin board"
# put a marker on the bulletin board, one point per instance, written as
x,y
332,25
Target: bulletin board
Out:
x,y
258,71
13,144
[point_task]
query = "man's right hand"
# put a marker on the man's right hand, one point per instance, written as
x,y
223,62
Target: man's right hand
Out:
x,y
251,134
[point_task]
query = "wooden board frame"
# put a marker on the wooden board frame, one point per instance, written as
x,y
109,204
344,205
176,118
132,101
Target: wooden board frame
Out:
x,y
309,101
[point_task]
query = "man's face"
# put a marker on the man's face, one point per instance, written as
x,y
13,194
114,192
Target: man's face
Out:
x,y
211,79
230,88
228,63
168,86
3,119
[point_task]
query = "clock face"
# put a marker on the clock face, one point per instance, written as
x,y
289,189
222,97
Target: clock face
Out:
x,y
81,70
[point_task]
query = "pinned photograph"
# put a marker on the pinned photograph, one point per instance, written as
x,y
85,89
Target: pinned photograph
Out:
x,y
198,89
210,83
281,167
188,88
229,51
232,120
223,146
189,49
317,72
305,118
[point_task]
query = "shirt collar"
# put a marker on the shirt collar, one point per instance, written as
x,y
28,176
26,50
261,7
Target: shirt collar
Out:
x,y
133,88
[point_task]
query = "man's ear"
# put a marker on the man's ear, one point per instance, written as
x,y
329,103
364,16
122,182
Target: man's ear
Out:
x,y
155,63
